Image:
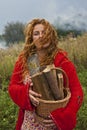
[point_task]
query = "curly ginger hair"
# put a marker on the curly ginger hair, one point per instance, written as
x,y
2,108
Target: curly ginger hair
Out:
x,y
29,48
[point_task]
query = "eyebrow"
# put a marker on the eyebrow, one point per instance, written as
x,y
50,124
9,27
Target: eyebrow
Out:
x,y
38,31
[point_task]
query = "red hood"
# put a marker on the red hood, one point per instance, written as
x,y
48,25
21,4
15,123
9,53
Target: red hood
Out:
x,y
60,56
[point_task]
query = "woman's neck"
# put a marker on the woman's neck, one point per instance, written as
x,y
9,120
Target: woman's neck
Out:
x,y
41,54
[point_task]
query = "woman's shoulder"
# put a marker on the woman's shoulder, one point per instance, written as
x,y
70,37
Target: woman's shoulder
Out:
x,y
61,56
61,60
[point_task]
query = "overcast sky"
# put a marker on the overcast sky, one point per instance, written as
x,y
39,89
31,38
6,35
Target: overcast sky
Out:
x,y
26,10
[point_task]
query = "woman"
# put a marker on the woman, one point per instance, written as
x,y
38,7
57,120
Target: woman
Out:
x,y
41,38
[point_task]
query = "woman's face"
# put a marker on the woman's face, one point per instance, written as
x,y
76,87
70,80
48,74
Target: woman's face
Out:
x,y
38,31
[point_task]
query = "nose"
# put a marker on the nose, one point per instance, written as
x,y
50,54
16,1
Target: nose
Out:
x,y
40,34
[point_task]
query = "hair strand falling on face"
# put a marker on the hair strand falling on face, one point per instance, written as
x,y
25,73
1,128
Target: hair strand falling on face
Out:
x,y
50,36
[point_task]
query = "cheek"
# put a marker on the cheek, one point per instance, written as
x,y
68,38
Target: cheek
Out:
x,y
35,38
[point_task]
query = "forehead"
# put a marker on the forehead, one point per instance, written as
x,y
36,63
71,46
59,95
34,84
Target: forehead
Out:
x,y
38,27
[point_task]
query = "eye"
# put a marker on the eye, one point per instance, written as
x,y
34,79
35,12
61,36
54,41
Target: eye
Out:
x,y
35,33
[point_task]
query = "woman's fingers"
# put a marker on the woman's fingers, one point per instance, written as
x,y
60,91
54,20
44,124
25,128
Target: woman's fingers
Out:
x,y
28,79
31,84
48,120
34,93
49,123
33,97
34,101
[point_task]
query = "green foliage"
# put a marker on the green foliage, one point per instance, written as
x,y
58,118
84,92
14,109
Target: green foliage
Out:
x,y
1,37
82,114
8,112
83,77
14,33
64,33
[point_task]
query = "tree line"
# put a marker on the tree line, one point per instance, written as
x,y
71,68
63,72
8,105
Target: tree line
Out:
x,y
14,32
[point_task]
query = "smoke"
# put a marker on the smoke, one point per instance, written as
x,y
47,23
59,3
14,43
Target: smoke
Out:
x,y
76,21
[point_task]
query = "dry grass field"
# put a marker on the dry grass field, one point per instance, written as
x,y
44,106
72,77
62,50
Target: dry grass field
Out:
x,y
77,52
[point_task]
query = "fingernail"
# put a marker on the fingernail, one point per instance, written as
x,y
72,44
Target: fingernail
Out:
x,y
40,95
37,103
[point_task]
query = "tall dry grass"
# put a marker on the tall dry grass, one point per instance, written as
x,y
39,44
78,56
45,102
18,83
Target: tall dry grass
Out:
x,y
76,49
7,59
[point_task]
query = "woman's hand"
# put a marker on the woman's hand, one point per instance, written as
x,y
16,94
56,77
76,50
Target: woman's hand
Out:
x,y
28,80
33,97
49,123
